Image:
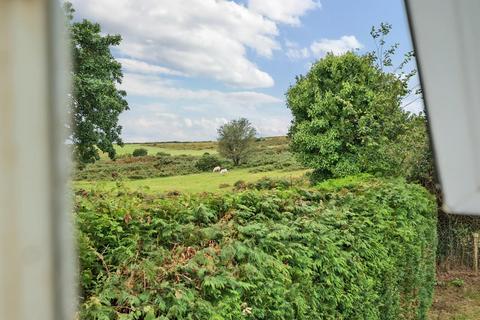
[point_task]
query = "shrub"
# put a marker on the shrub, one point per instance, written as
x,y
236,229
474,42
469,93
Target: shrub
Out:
x,y
346,116
173,193
267,183
268,159
164,160
457,282
137,176
163,154
240,185
207,162
140,152
363,249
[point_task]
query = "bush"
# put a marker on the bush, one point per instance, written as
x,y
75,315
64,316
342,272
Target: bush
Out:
x,y
163,154
268,159
140,152
239,185
267,183
357,249
346,116
207,162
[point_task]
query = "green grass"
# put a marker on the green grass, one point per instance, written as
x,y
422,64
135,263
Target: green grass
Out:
x,y
152,150
193,183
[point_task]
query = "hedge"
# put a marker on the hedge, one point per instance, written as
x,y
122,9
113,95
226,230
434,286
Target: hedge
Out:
x,y
358,248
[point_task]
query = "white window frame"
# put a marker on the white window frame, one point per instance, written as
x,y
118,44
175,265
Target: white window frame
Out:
x,y
446,41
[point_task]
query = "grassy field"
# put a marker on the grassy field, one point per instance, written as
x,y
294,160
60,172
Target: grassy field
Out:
x,y
202,182
190,148
154,148
168,159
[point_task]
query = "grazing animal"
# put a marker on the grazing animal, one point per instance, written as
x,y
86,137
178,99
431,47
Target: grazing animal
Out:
x,y
223,171
217,169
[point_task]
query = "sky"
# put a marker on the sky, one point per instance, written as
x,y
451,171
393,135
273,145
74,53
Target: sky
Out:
x,y
192,65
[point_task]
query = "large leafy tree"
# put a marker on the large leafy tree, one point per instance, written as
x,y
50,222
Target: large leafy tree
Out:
x,y
347,112
96,101
236,139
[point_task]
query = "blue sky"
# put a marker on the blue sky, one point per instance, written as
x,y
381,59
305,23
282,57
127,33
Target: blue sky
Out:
x,y
191,65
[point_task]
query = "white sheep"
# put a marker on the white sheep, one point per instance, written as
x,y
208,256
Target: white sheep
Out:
x,y
217,169
223,171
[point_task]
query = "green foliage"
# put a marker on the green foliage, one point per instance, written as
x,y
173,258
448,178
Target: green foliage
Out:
x,y
96,102
163,154
347,111
207,162
236,139
239,185
346,115
457,282
340,183
140,152
383,55
414,151
357,250
139,168
268,183
271,158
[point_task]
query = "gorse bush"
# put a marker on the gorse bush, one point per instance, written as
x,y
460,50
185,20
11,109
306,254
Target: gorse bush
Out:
x,y
207,162
357,249
140,152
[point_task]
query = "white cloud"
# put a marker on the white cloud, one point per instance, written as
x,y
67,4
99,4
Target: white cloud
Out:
x,y
320,48
294,52
188,122
283,11
196,37
300,53
275,126
159,127
137,66
335,46
154,123
153,87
